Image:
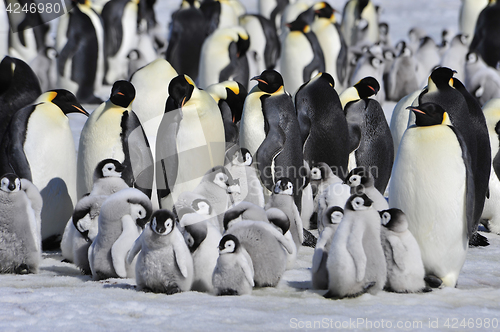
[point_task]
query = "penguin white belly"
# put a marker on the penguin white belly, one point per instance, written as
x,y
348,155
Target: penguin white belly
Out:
x,y
227,17
213,59
400,116
469,13
25,52
491,210
296,55
33,223
257,43
62,28
428,184
252,132
329,40
4,31
122,245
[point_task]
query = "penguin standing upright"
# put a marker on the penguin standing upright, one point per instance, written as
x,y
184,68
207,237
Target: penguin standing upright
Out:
x,y
190,140
220,14
273,9
487,28
38,145
301,54
360,17
80,64
433,158
402,78
468,15
323,126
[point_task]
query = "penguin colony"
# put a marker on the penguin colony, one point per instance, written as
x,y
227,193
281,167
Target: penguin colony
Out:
x,y
226,145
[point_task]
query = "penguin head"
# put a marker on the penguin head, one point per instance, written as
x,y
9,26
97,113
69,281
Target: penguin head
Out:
x,y
236,94
334,215
270,81
243,44
108,168
394,220
360,176
324,10
278,218
367,87
302,22
140,210
316,174
162,222
229,244
10,183
471,57
63,99
441,77
242,157
358,202
196,234
180,90
429,114
122,93
283,186
221,177
202,206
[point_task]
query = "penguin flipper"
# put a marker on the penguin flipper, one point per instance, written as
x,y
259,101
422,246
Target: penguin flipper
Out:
x,y
111,14
279,237
298,223
304,124
182,255
271,146
354,121
398,249
68,51
136,248
318,61
317,258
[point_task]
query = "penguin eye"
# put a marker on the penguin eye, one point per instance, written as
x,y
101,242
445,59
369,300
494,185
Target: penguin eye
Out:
x,y
229,244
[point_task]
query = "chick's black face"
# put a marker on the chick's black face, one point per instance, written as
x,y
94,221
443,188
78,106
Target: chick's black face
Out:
x,y
180,90
122,93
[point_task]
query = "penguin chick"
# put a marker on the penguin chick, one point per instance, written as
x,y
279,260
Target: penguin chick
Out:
x,y
336,194
164,264
361,181
233,273
405,270
108,177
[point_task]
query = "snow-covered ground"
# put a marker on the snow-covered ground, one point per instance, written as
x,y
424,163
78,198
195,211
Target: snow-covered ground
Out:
x,y
60,298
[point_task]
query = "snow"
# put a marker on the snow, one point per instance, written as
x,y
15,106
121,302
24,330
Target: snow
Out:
x,y
59,297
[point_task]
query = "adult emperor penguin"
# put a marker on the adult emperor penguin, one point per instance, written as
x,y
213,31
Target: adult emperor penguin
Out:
x,y
273,9
400,119
301,55
487,28
19,87
361,180
233,273
20,246
323,126
223,57
365,88
356,262
190,140
188,30
121,219
220,14
402,78
113,130
370,140
80,63
433,154
405,270
120,19
164,264
468,15
360,15
370,64
38,145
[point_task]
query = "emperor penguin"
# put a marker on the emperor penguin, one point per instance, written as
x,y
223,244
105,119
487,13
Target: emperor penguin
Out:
x,y
487,28
121,219
481,80
38,145
360,16
20,207
332,42
190,202
468,15
405,270
187,32
233,273
266,246
400,119
164,264
365,88
190,140
202,239
114,131
80,63
402,78
433,154
273,10
456,56
223,57
335,194
321,177
19,87
220,14
121,36
230,96
370,140
428,58
319,272
361,180
356,262
323,125
301,55
370,64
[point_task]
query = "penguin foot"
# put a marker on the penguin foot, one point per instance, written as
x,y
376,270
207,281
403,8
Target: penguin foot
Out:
x,y
22,269
227,291
426,289
172,289
313,222
309,239
478,240
433,281
365,289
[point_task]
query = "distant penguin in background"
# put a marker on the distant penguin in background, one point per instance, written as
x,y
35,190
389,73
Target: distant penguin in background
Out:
x,y
487,28
405,270
468,15
456,55
273,9
38,145
301,55
20,245
113,130
428,57
323,126
80,64
370,64
190,140
187,32
481,80
45,67
442,219
19,87
120,19
402,78
356,262
370,140
164,264
230,96
400,118
223,57
361,180
233,273
121,219
219,14
360,15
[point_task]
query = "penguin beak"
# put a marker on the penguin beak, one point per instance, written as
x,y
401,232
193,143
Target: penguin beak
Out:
x,y
81,110
414,109
120,93
257,78
183,102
